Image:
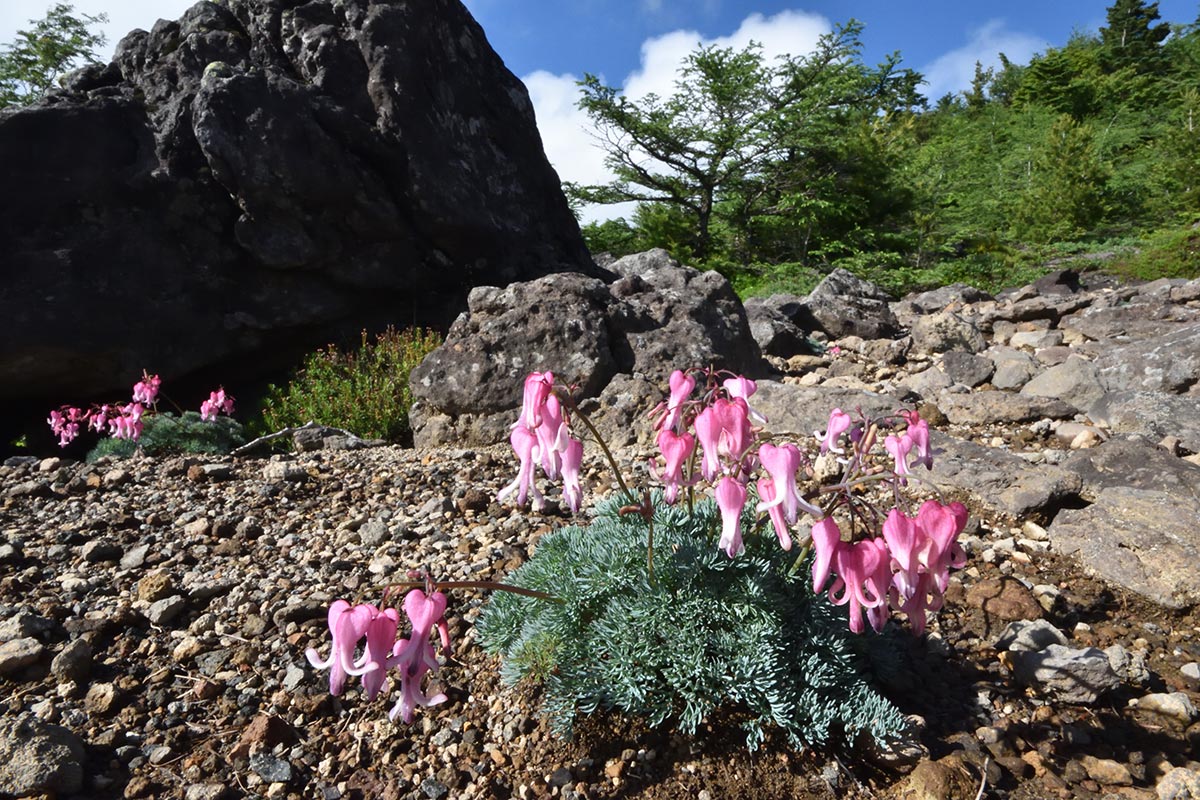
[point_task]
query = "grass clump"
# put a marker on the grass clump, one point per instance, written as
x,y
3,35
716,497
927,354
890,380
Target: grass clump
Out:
x,y
364,391
708,633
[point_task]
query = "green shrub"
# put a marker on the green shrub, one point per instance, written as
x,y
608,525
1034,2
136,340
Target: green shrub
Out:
x,y
1172,253
709,632
365,392
165,433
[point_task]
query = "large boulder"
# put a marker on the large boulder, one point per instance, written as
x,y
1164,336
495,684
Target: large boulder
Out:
x,y
657,316
843,304
258,178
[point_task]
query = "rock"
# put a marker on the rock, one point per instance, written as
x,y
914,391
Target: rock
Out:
x,y
205,791
1070,675
335,163
102,699
285,471
1074,382
934,300
98,551
1000,482
1136,464
948,778
928,383
1150,414
1004,599
1106,771
946,331
17,654
968,369
804,410
155,587
990,407
1036,340
24,624
264,732
775,333
37,758
1167,363
843,304
656,317
1013,368
1173,707
1030,635
1180,783
271,768
1143,540
161,612
374,533
73,663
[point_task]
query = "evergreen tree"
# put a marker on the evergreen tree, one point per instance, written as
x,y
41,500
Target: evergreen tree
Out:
x,y
1131,39
1064,191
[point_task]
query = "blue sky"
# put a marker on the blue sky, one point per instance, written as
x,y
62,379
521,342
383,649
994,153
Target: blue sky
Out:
x,y
637,44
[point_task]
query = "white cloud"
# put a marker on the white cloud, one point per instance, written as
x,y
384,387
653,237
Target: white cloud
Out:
x,y
123,16
565,129
953,71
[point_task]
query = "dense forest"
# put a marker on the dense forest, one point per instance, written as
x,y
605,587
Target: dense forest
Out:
x,y
774,173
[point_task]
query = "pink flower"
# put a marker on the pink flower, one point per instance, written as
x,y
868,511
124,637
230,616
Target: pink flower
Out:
x,y
905,541
525,445
827,541
347,625
782,463
146,390
724,433
217,402
743,388
682,385
381,638
100,418
128,425
863,579
898,447
415,656
839,423
766,493
552,436
941,526
539,386
676,448
572,460
918,432
731,498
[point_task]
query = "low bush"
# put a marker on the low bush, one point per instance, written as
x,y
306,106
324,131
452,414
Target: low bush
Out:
x,y
365,391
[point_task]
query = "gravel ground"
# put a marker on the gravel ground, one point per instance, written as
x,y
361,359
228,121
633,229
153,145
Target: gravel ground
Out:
x,y
154,615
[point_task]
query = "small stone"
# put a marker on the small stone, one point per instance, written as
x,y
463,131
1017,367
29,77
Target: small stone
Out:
x,y
205,791
1191,671
1106,772
1180,783
197,528
293,677
188,647
1070,675
73,663
154,587
1030,636
285,471
19,653
161,612
160,754
1173,706
98,551
135,557
37,758
115,478
271,768
1004,598
374,533
101,699
23,624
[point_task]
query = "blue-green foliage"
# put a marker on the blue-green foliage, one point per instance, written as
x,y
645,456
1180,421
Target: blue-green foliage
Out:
x,y
164,433
709,632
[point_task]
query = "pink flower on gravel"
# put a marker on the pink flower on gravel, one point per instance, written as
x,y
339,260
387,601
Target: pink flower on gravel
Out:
x,y
348,624
682,385
415,656
742,387
839,423
381,638
552,436
941,525
863,579
731,499
539,386
525,445
898,447
676,449
572,460
918,433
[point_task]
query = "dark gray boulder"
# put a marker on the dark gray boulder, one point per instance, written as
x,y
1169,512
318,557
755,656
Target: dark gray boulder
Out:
x,y
1166,363
657,316
843,304
259,178
774,330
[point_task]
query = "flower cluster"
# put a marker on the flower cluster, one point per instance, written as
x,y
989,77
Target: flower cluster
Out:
x,y
900,564
412,657
124,421
542,435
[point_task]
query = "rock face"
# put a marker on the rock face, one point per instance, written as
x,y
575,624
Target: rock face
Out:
x,y
257,176
655,317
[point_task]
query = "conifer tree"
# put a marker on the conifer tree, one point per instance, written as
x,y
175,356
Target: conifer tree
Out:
x,y
1131,39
